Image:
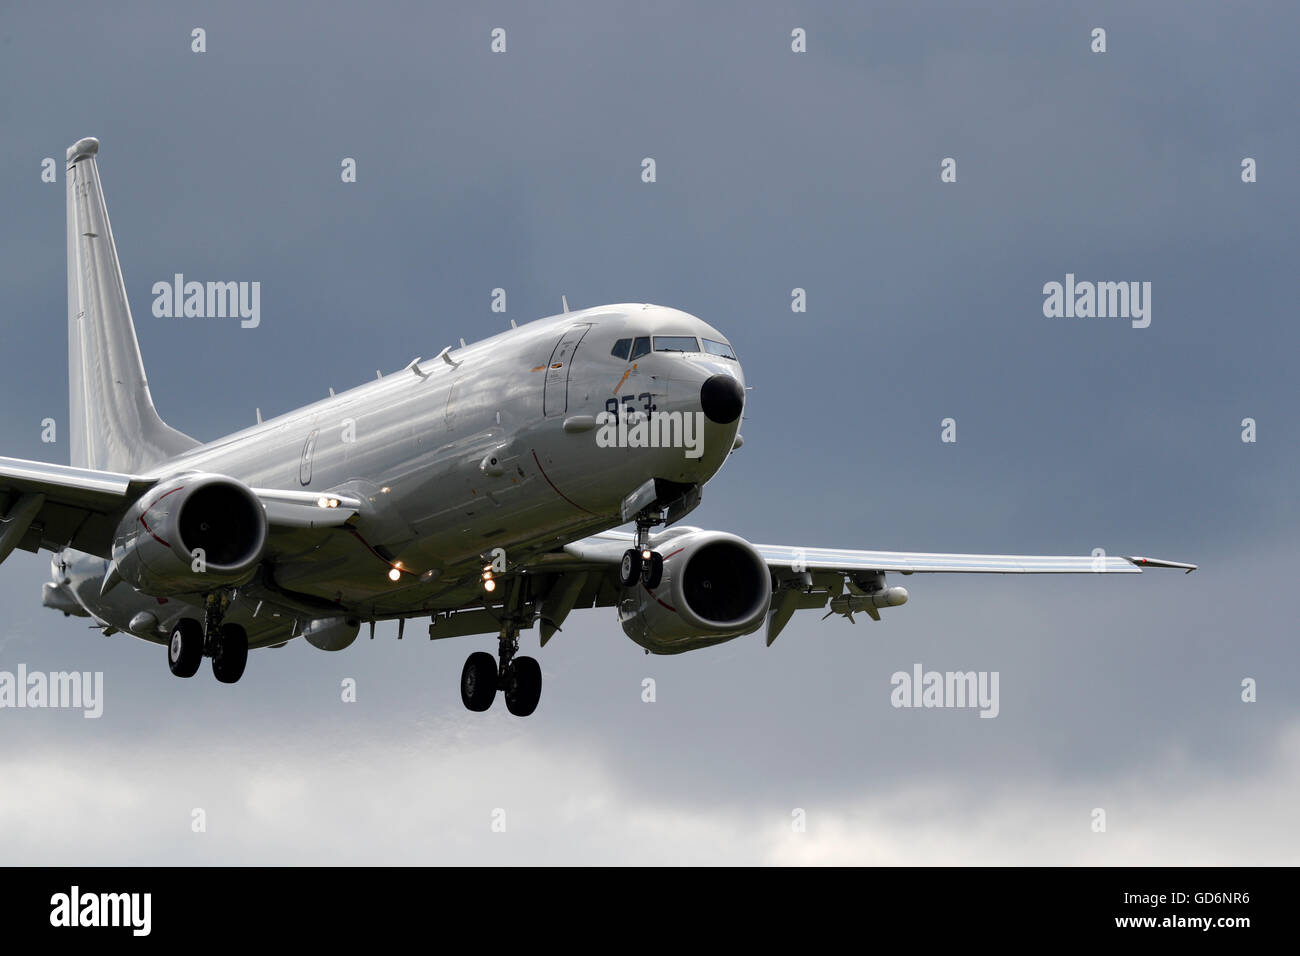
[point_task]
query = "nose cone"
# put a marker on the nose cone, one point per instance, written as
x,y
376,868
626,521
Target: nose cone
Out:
x,y
722,398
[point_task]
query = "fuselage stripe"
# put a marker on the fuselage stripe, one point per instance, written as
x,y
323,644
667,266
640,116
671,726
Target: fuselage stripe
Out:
x,y
552,484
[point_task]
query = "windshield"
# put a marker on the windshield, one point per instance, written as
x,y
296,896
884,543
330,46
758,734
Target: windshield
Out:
x,y
676,343
719,348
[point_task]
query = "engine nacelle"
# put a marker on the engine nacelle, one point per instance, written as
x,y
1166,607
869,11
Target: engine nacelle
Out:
x,y
190,534
715,586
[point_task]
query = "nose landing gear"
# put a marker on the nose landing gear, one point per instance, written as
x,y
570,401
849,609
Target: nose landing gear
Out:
x,y
638,565
642,562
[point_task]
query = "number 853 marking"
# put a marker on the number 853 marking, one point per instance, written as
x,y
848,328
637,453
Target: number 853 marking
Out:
x,y
629,404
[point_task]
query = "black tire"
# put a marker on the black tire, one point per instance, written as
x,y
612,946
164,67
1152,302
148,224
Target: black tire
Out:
x,y
630,568
231,654
654,570
185,649
523,686
478,681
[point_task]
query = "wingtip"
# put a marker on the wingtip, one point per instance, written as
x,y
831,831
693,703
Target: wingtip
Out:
x,y
1141,562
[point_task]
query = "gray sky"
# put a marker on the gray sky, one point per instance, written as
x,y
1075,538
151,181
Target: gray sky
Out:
x,y
775,170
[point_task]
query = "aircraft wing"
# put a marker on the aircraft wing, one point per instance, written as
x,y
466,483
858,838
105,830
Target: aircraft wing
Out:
x,y
837,581
849,581
608,548
59,506
914,562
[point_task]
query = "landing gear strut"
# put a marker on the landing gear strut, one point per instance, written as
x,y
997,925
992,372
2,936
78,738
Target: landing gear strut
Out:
x,y
519,678
226,644
642,563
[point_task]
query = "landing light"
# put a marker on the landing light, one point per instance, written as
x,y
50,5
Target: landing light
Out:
x,y
489,585
395,574
323,502
645,555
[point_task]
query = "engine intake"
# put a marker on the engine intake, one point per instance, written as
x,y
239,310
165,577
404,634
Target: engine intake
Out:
x,y
226,521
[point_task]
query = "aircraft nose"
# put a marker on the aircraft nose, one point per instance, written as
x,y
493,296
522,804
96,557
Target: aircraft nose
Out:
x,y
722,398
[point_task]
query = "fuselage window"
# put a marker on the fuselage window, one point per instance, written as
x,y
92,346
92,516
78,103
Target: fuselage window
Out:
x,y
718,348
640,347
621,348
676,343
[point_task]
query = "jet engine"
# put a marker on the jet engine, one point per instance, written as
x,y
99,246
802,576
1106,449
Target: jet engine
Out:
x,y
715,586
190,534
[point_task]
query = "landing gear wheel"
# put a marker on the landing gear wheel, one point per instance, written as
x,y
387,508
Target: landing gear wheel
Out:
x,y
523,686
185,650
478,681
630,569
231,654
654,570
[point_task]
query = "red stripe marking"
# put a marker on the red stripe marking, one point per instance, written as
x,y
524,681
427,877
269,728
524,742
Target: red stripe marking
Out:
x,y
150,508
557,490
657,598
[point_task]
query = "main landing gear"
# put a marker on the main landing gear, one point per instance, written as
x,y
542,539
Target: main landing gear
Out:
x,y
642,563
518,678
226,644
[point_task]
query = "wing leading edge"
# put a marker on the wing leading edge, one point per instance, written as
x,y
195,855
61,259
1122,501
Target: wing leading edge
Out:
x,y
913,562
608,547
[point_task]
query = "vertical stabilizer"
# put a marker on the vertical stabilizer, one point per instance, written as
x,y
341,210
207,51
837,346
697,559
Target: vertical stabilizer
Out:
x,y
112,425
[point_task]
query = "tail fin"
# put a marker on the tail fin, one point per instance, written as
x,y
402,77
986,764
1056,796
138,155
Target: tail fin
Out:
x,y
113,425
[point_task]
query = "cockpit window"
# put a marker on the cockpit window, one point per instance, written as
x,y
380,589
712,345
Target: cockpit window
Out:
x,y
676,343
621,348
718,348
640,347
